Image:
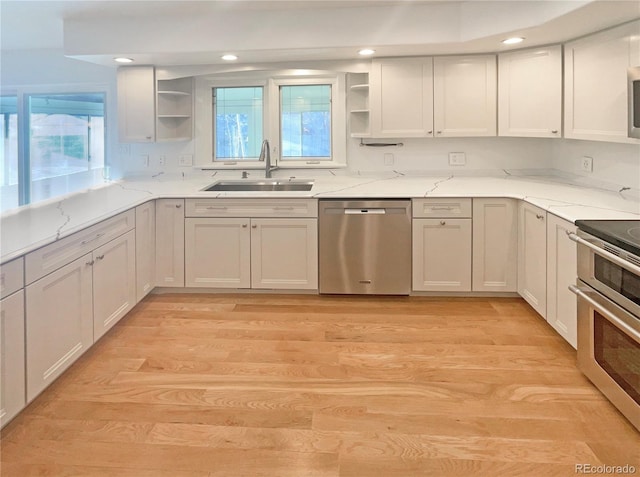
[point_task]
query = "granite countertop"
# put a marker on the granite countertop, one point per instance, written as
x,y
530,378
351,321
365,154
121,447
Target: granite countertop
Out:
x,y
31,227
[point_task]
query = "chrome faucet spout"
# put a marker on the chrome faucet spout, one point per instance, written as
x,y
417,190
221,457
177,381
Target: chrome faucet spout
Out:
x,y
265,155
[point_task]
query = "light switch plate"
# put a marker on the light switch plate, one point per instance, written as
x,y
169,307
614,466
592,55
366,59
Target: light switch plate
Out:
x,y
186,160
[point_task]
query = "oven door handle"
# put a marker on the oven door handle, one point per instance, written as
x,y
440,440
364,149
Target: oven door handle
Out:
x,y
617,322
605,254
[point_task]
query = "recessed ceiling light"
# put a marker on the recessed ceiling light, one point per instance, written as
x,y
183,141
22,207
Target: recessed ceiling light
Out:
x,y
229,57
122,59
366,52
513,41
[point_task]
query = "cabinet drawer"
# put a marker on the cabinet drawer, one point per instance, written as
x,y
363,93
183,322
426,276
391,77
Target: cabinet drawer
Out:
x,y
51,257
251,208
437,208
11,277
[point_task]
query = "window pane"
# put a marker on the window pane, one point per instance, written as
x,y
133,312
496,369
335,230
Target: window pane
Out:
x,y
238,123
66,142
9,153
305,121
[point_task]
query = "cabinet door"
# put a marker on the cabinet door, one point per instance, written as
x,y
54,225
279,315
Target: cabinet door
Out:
x,y
114,282
136,104
532,256
464,96
530,93
596,85
145,249
12,364
217,253
170,242
402,97
284,253
495,245
59,322
561,272
442,254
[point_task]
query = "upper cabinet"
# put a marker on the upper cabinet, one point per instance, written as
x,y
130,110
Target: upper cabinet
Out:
x,y
464,96
358,104
596,84
402,97
530,93
433,97
153,110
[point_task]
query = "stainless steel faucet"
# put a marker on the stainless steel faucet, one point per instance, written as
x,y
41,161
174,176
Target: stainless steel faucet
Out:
x,y
265,155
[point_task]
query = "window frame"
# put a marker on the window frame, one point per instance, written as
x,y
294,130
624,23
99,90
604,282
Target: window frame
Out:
x,y
23,93
205,141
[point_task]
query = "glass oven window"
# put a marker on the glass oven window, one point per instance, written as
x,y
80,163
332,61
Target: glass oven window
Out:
x,y
618,355
617,278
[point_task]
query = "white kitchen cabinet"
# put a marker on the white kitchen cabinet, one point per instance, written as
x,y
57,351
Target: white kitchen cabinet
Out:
x,y
170,242
136,104
11,277
530,93
276,253
532,256
59,322
12,356
441,244
561,272
402,97
114,282
495,245
174,109
358,104
596,84
218,252
284,253
145,249
464,95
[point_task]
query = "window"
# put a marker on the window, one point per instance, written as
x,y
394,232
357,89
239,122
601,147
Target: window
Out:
x,y
238,121
63,145
305,122
303,117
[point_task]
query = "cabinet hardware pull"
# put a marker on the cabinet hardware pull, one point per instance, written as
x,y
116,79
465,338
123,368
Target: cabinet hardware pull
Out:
x,y
442,222
178,206
85,242
100,257
254,226
244,226
538,216
283,208
555,131
439,132
441,208
89,263
430,132
211,207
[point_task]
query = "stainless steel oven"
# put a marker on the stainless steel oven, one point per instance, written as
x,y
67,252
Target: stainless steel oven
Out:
x,y
608,294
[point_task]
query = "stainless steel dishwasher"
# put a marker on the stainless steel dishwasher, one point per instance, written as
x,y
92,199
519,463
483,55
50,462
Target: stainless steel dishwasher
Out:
x,y
365,246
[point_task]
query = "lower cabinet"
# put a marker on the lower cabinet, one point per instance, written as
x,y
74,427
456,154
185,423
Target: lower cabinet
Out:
x,y
442,254
495,245
270,253
69,309
532,256
145,249
59,310
170,242
114,282
561,272
12,357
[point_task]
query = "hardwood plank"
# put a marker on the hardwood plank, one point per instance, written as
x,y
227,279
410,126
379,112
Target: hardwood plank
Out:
x,y
249,385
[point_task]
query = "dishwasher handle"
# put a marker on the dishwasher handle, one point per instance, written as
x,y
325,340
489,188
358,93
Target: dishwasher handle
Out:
x,y
365,211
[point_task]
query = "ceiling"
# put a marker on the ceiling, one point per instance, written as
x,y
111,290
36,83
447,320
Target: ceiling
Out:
x,y
167,33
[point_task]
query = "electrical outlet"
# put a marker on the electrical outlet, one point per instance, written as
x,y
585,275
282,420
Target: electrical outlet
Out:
x,y
457,159
186,160
388,159
144,160
162,160
586,164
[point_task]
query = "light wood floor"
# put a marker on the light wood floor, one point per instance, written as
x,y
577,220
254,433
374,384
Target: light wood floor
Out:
x,y
255,385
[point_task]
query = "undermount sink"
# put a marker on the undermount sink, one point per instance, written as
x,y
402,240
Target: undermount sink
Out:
x,y
261,185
